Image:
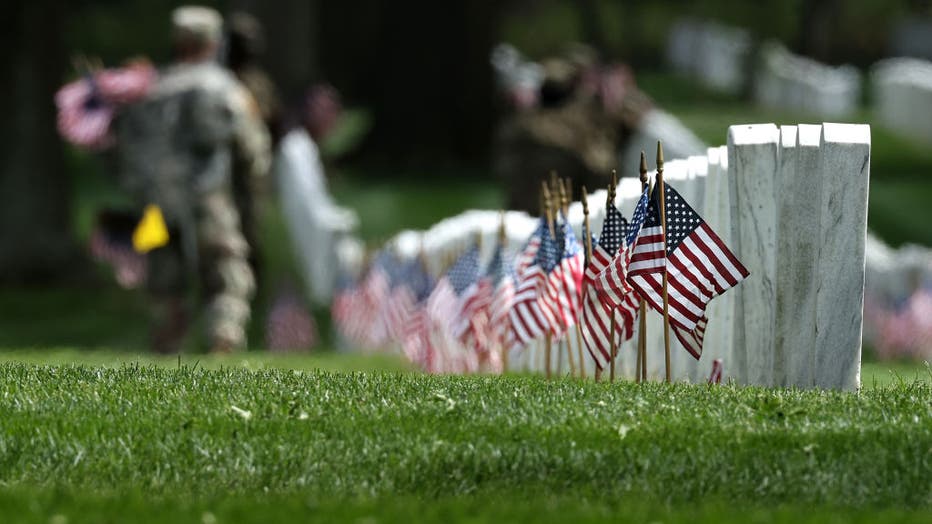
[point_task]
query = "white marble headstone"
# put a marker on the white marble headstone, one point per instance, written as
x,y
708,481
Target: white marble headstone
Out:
x,y
753,163
839,305
798,265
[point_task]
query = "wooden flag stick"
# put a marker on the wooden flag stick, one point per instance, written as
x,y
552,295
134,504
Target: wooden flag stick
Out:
x,y
564,197
587,242
640,369
498,337
614,350
569,356
548,206
564,186
663,226
613,343
568,185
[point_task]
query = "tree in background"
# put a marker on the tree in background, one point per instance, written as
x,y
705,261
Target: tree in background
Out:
x,y
35,189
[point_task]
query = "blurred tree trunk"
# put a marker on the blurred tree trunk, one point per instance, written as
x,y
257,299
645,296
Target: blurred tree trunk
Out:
x,y
817,29
35,235
423,68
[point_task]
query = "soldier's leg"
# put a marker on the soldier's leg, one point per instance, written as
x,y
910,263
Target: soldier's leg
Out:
x,y
167,285
227,279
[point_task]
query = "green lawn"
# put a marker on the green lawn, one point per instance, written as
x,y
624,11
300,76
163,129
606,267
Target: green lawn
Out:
x,y
153,444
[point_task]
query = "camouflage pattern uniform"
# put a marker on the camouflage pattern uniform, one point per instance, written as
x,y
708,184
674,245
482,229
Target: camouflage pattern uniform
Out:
x,y
245,45
564,134
573,135
177,149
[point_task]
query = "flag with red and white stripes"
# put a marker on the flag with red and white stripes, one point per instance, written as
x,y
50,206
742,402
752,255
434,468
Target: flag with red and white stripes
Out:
x,y
530,315
503,292
472,321
564,284
87,106
597,314
416,343
717,369
612,282
699,267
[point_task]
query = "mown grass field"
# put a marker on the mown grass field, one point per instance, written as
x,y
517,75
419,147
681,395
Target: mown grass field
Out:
x,y
144,443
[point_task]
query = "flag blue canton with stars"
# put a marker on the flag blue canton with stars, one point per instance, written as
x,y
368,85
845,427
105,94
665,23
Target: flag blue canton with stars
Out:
x,y
567,239
613,230
682,220
465,270
641,217
547,255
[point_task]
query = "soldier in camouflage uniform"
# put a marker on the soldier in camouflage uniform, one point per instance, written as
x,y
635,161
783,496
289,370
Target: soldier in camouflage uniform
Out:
x,y
245,44
573,131
177,149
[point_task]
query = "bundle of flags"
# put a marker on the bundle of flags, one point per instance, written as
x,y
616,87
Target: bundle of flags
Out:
x,y
86,106
474,316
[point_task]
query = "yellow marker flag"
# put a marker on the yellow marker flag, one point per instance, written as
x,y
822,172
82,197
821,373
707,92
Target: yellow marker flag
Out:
x,y
151,232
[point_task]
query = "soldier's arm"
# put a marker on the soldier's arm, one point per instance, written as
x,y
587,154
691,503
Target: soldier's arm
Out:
x,y
251,141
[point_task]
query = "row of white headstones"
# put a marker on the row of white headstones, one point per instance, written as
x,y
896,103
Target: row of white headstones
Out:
x,y
791,202
724,58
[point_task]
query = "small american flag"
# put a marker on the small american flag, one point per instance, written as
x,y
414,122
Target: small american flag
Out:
x,y
375,289
87,106
564,285
474,327
698,264
612,283
597,314
416,344
473,299
443,309
503,292
343,307
401,302
290,326
716,376
530,316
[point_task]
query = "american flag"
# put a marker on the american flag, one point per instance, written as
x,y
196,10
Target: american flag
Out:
x,y
717,369
529,252
698,264
597,314
401,301
503,292
416,344
343,306
564,285
375,290
444,307
87,106
472,327
530,316
83,115
290,326
612,283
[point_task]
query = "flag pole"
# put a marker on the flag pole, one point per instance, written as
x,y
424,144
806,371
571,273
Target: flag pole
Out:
x,y
564,185
613,344
641,367
587,242
548,205
663,227
502,237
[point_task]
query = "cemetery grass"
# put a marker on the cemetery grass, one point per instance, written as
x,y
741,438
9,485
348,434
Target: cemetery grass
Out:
x,y
158,443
